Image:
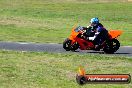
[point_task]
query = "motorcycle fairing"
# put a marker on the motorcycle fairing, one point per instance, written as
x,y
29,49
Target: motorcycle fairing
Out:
x,y
115,33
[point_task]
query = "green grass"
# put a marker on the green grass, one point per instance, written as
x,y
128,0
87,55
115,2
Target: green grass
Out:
x,y
51,20
48,70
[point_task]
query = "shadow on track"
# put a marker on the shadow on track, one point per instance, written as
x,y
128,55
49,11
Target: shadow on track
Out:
x,y
101,52
105,53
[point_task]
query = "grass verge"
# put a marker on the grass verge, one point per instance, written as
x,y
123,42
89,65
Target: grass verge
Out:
x,y
51,21
49,70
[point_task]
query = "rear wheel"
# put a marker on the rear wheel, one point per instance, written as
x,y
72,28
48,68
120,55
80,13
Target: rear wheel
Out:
x,y
111,46
67,44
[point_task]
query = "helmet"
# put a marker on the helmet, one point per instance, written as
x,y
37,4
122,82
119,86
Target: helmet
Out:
x,y
94,20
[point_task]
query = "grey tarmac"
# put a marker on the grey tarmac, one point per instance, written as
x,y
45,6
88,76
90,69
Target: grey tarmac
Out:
x,y
57,48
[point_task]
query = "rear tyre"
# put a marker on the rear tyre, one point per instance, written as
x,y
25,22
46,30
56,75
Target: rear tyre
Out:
x,y
67,44
111,46
116,44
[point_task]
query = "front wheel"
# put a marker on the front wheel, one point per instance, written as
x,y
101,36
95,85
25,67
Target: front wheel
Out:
x,y
111,46
74,46
67,44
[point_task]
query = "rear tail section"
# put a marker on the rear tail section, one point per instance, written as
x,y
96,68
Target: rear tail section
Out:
x,y
115,33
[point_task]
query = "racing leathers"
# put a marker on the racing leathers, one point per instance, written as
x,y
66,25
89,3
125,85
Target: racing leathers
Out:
x,y
97,33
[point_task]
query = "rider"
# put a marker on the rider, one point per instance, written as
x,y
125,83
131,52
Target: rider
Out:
x,y
99,33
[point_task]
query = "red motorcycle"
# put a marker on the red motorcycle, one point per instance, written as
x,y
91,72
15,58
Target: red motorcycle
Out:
x,y
76,40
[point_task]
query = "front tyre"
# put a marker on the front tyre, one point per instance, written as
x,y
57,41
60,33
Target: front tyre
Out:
x,y
74,46
111,46
67,44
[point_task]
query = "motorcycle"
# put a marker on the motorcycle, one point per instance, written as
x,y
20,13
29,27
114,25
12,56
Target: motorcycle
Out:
x,y
77,41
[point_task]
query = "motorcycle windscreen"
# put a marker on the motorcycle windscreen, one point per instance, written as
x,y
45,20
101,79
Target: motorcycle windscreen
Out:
x,y
115,33
73,34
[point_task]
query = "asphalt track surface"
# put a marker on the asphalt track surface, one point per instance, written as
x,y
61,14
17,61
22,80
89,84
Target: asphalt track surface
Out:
x,y
57,48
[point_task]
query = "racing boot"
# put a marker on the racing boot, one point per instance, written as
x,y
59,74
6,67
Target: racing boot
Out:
x,y
97,47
